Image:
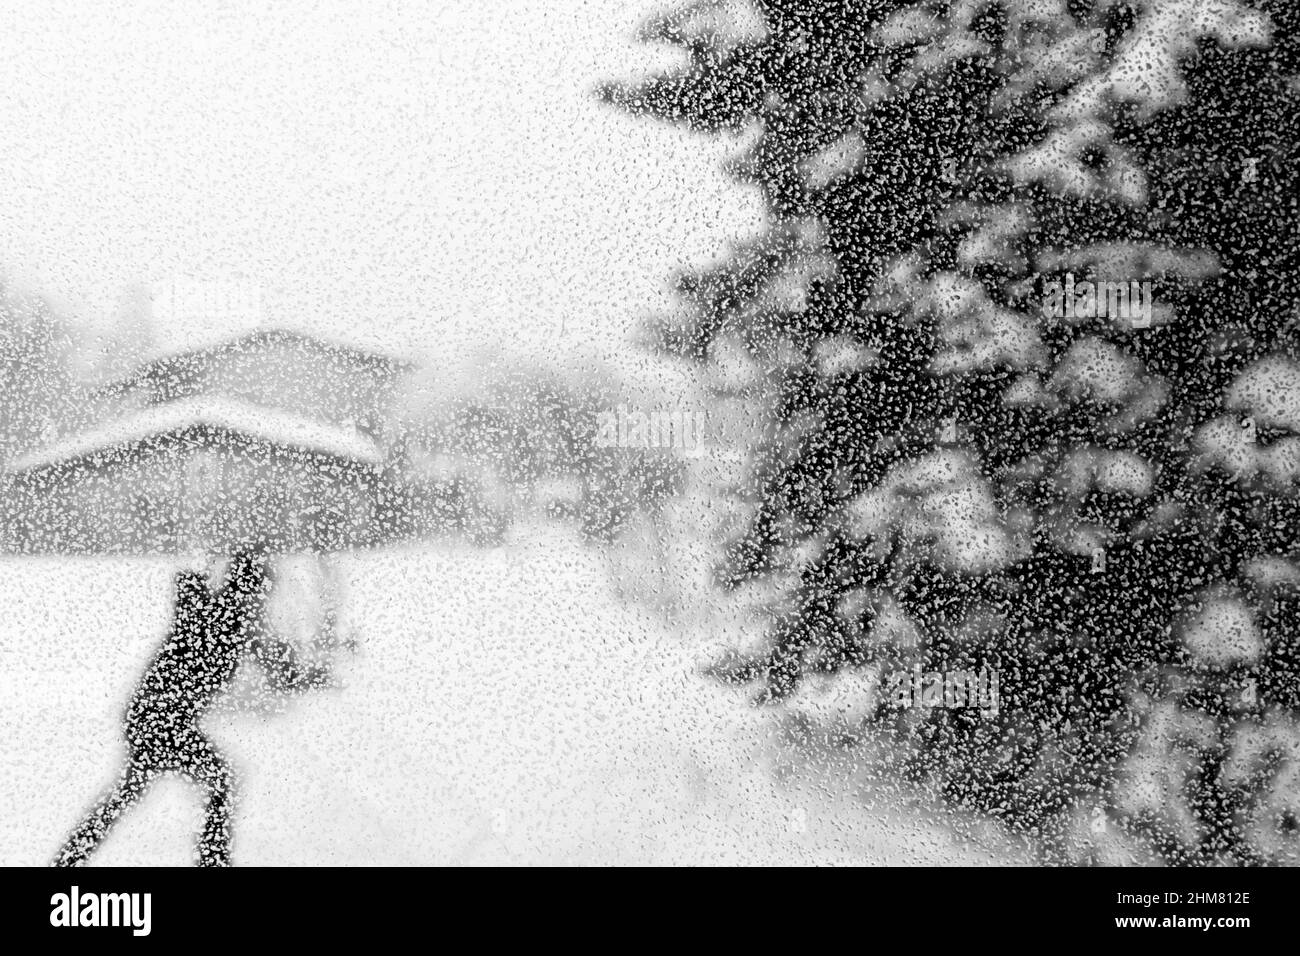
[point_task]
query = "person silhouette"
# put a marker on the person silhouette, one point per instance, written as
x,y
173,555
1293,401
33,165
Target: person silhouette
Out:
x,y
212,631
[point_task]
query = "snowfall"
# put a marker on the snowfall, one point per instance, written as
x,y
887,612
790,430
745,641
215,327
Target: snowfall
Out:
x,y
505,705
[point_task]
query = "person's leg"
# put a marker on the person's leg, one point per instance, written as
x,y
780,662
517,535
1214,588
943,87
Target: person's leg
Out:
x,y
86,837
205,765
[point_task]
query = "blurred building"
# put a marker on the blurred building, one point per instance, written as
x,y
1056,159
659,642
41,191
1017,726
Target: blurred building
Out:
x,y
273,435
288,372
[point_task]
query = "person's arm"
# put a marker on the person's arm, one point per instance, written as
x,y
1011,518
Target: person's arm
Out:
x,y
284,670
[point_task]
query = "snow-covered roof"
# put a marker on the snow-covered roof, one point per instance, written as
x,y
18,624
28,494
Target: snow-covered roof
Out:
x,y
176,364
221,414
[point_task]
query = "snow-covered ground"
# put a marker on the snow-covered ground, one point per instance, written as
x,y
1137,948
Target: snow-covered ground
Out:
x,y
504,707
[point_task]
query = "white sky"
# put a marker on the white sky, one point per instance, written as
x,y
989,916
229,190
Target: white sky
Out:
x,y
416,177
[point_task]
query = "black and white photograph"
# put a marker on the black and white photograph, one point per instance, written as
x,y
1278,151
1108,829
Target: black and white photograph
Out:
x,y
651,433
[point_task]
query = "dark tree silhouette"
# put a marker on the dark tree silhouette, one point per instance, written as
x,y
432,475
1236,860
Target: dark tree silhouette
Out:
x,y
1095,500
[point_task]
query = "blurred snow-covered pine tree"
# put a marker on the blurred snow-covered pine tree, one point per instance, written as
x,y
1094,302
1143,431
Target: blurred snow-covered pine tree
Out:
x,y
1025,309
36,372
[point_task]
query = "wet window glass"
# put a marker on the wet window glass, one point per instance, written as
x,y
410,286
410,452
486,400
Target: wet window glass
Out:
x,y
650,432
